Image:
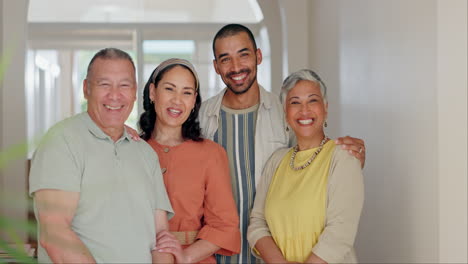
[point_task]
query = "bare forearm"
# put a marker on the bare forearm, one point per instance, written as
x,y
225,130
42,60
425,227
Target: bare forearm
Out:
x,y
269,251
64,246
200,250
314,259
160,257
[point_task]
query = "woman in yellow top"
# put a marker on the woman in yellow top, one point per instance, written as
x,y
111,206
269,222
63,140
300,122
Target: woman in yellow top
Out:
x,y
310,198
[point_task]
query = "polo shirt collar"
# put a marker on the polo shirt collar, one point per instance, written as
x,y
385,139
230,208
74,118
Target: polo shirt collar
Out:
x,y
97,131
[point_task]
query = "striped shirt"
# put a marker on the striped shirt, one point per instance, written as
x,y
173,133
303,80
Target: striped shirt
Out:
x,y
236,133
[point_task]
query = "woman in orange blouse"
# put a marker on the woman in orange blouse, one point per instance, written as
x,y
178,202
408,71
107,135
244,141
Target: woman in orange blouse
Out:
x,y
195,170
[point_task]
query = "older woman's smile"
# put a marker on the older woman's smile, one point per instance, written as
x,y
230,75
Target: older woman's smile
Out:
x,y
305,121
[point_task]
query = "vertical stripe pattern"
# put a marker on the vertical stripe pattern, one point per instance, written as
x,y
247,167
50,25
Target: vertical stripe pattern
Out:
x,y
236,133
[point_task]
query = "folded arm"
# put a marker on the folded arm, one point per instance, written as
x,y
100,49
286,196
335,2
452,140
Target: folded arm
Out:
x,y
220,231
196,252
162,225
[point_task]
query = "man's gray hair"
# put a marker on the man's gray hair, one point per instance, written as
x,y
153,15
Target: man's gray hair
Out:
x,y
109,54
302,75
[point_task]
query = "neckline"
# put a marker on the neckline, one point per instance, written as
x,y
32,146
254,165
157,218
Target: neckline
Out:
x,y
302,152
240,111
162,146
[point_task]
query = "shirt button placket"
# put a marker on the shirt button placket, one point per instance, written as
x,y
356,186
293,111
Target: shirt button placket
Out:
x,y
166,150
116,154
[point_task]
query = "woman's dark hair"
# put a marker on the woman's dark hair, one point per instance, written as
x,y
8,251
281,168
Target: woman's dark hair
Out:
x,y
190,128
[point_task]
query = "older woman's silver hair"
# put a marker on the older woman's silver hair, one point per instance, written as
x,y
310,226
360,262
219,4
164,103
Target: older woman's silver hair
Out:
x,y
302,75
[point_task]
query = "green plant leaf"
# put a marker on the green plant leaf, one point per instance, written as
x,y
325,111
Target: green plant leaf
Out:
x,y
17,252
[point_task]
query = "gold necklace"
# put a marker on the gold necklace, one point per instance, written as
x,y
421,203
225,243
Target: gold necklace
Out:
x,y
296,149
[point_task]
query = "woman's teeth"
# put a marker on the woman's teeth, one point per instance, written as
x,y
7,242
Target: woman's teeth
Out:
x,y
175,111
305,122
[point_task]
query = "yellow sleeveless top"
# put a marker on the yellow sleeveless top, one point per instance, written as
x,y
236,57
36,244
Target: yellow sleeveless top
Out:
x,y
295,206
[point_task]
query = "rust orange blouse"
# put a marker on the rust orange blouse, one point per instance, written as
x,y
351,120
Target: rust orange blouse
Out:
x,y
196,175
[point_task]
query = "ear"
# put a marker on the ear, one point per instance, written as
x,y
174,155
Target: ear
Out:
x,y
86,89
215,65
152,92
259,55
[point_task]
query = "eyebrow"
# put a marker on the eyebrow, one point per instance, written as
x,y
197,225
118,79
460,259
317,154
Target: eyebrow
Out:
x,y
171,84
126,80
110,80
222,55
226,54
297,97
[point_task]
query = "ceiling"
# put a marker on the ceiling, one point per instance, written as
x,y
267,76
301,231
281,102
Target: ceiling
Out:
x,y
145,11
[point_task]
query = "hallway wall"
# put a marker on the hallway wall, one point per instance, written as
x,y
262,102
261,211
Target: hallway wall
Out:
x,y
13,194
396,71
397,78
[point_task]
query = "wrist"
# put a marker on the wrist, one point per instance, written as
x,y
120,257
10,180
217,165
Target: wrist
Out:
x,y
186,258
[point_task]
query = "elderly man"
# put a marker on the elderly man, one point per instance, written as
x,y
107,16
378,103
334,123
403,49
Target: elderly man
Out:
x,y
99,196
247,121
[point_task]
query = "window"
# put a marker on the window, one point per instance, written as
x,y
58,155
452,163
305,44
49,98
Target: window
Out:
x,y
62,44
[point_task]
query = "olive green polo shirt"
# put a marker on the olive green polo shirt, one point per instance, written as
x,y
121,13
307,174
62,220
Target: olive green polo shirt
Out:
x,y
120,185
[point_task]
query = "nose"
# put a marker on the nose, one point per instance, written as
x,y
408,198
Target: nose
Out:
x,y
305,108
176,98
236,66
114,93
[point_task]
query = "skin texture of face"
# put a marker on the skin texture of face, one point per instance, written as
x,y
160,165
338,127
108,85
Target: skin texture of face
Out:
x,y
174,97
306,112
236,62
110,90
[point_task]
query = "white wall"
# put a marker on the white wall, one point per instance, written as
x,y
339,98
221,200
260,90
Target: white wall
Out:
x,y
296,35
2,197
13,194
393,82
452,119
272,18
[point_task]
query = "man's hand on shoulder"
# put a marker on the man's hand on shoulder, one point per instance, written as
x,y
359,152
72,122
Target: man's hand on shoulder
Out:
x,y
355,147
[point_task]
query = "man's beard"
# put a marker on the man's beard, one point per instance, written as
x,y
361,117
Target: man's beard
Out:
x,y
246,88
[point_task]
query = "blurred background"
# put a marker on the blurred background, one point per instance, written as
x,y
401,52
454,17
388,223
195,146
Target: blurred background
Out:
x,y
396,72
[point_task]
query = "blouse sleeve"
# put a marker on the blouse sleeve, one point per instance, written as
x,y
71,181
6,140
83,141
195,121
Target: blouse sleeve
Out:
x,y
221,221
258,226
345,202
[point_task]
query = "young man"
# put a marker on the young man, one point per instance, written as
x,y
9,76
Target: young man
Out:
x,y
247,121
98,195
